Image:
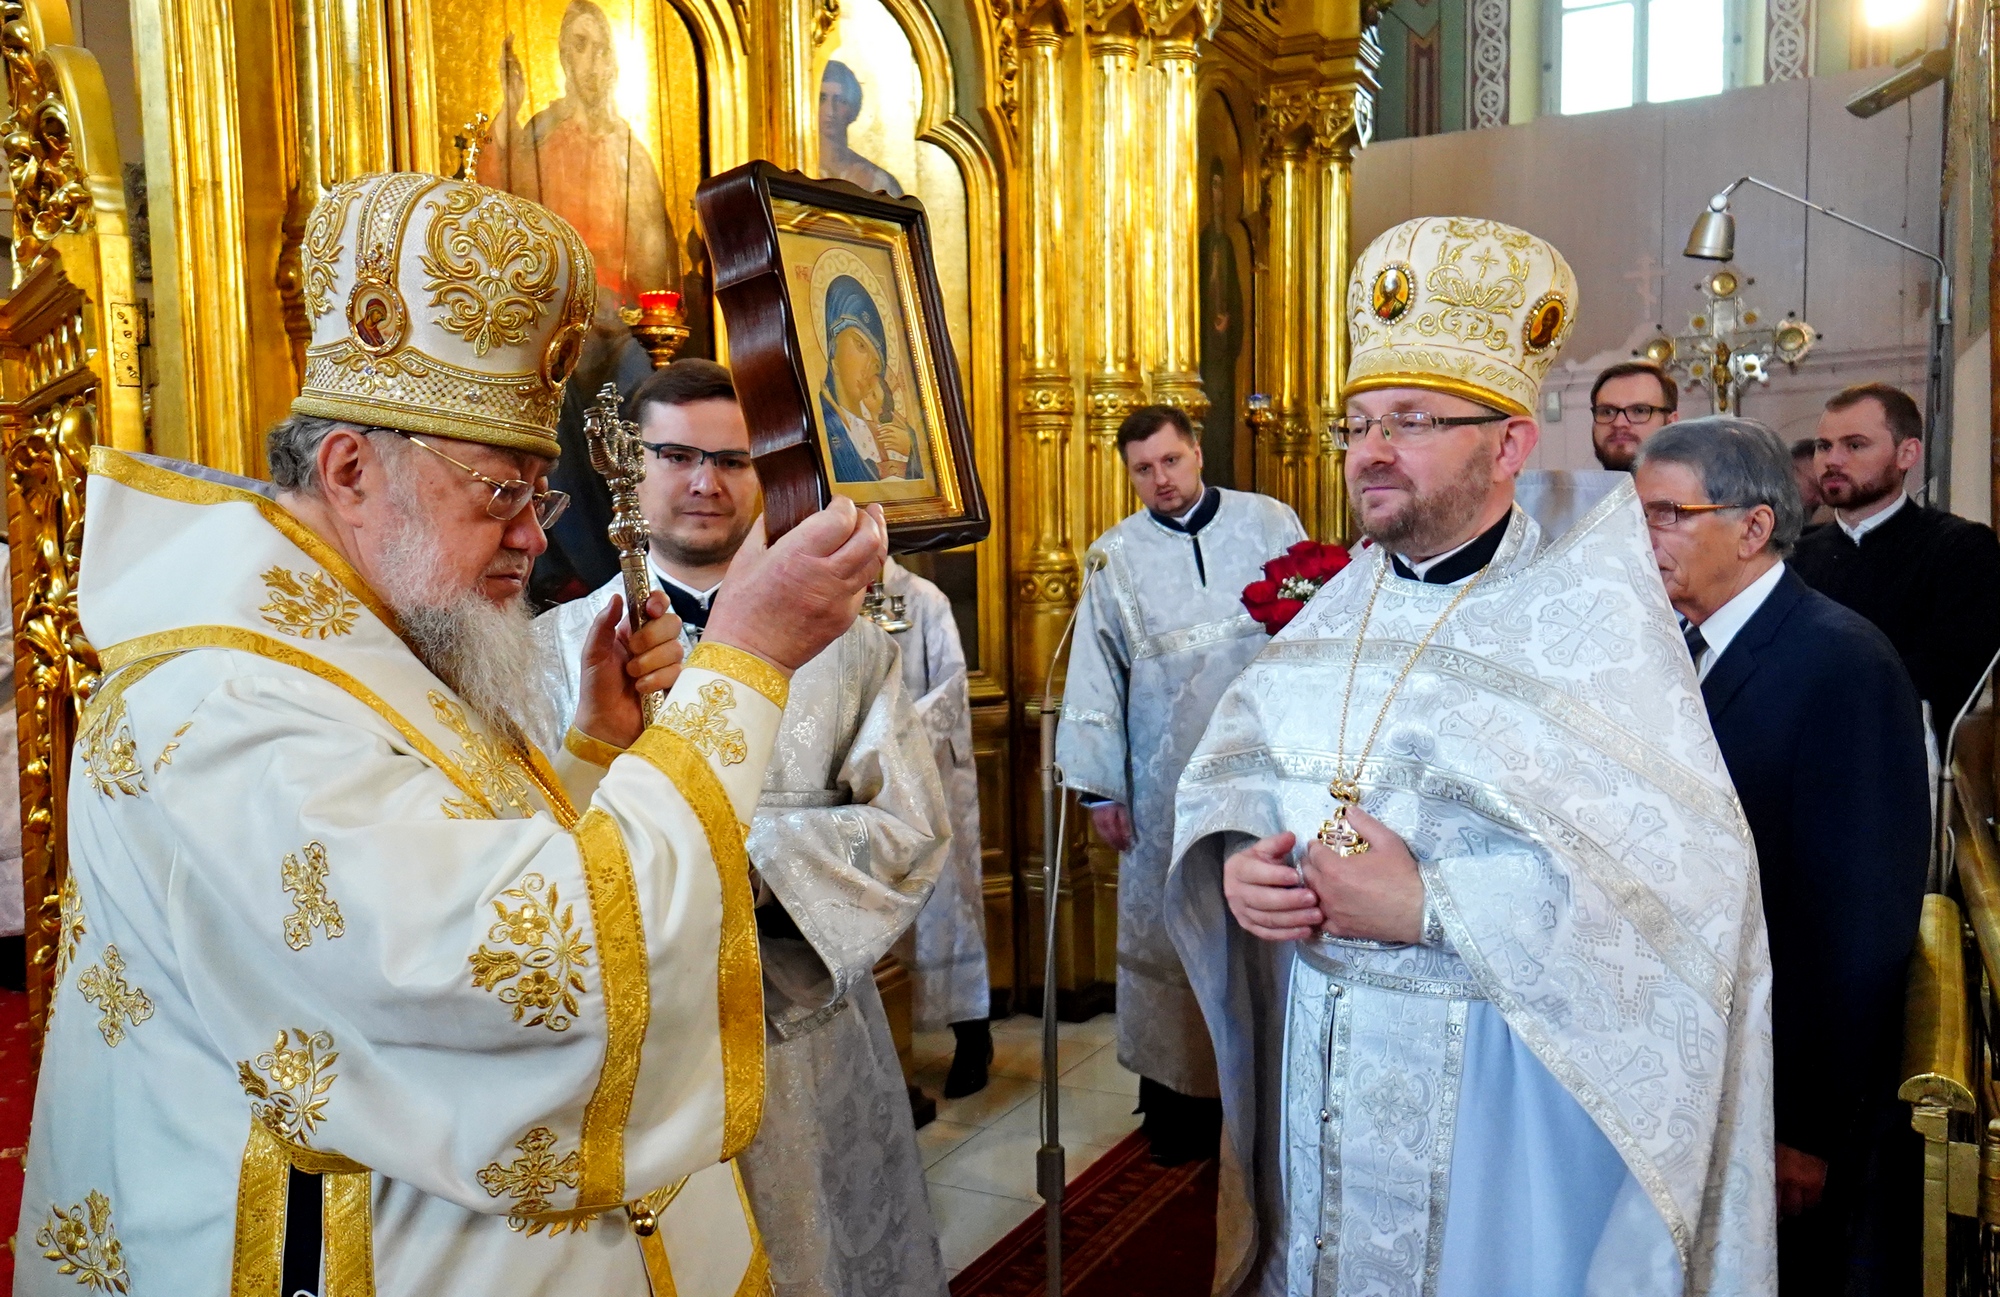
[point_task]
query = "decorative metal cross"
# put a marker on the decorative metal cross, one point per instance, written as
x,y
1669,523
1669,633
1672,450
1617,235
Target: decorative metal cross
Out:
x,y
1728,346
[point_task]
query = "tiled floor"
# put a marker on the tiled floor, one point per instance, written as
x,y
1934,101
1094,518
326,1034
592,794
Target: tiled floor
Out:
x,y
979,1155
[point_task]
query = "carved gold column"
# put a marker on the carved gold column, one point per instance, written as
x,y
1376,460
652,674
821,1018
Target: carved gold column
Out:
x,y
1173,299
1115,385
1314,121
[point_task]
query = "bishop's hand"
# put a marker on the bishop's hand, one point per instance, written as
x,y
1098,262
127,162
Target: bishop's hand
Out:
x,y
1263,891
1377,895
787,601
620,665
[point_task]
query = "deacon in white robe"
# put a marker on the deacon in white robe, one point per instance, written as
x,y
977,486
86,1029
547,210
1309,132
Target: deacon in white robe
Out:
x,y
945,949
849,832
1508,1029
1160,633
354,990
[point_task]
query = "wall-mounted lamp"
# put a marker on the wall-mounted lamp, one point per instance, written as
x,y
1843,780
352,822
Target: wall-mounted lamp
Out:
x,y
1927,69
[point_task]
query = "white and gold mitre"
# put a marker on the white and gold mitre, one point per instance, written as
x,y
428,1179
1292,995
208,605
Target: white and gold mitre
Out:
x,y
1473,308
443,307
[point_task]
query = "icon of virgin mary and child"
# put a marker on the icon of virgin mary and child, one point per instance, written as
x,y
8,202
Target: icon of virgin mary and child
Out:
x,y
870,440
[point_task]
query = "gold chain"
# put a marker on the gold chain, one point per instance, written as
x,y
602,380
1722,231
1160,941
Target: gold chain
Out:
x,y
1345,788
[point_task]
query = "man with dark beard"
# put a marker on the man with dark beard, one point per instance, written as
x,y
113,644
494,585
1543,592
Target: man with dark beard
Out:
x,y
1501,1024
353,983
849,834
1929,580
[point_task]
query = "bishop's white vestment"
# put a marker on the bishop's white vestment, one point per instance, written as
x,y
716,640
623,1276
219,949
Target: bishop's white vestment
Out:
x,y
1159,635
945,949
319,920
848,835
1569,1089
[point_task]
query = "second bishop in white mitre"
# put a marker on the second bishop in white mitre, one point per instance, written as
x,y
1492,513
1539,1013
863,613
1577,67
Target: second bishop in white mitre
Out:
x,y
849,832
356,992
1508,1028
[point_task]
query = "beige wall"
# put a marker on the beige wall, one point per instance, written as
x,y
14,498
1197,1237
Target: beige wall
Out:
x,y
1617,191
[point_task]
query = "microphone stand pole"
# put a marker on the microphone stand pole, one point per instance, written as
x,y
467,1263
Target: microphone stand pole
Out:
x,y
1049,1173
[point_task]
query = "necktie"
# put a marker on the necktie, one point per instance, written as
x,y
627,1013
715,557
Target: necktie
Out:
x,y
1696,644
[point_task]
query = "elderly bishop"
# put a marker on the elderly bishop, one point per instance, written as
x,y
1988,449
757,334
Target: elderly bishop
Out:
x,y
849,830
357,992
1460,877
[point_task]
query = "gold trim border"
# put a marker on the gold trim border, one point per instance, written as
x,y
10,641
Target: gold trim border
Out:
x,y
1436,383
623,973
402,418
263,1193
740,976
743,667
585,748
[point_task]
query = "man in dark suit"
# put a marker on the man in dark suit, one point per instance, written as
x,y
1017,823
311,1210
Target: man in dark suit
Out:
x,y
1823,736
1930,581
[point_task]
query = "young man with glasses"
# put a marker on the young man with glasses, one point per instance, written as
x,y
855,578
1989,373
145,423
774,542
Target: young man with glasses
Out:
x,y
1809,704
1454,856
845,847
1629,402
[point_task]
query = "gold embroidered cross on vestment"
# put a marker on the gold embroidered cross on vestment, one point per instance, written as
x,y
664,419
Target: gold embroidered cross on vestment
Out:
x,y
305,879
703,726
121,1003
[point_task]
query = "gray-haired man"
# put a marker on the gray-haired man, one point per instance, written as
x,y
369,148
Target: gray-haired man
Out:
x,y
1823,736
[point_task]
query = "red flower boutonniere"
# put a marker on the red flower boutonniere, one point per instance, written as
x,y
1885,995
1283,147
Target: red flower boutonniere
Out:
x,y
1290,581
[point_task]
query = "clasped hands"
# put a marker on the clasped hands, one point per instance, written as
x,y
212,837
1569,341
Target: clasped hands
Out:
x,y
1377,895
785,603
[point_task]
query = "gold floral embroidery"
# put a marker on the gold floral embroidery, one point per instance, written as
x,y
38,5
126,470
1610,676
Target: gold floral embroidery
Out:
x,y
82,1243
458,808
492,266
321,253
290,1095
69,925
110,753
486,764
120,1002
703,726
547,977
310,605
166,757
530,1178
306,881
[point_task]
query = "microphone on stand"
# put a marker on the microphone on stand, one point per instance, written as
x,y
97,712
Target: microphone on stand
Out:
x,y
1049,1176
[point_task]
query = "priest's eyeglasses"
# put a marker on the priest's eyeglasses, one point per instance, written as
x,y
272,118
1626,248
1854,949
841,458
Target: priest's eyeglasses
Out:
x,y
1664,514
1402,425
686,459
512,495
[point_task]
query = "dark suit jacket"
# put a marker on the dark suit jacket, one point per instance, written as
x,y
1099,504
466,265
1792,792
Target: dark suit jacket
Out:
x,y
1821,729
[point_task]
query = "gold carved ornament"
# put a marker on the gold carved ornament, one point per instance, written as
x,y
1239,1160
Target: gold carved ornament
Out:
x,y
549,977
492,268
530,1178
80,1240
51,193
120,1003
288,1084
309,605
304,876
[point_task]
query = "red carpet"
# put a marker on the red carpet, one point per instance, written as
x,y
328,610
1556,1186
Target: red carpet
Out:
x,y
17,1104
1129,1227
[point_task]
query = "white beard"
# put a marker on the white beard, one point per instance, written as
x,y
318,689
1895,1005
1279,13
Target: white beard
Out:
x,y
486,654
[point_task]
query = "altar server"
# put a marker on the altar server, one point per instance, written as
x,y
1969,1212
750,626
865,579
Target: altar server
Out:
x,y
1507,1029
846,841
1160,633
351,983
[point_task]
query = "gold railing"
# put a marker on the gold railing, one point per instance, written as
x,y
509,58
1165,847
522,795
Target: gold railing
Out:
x,y
1951,1015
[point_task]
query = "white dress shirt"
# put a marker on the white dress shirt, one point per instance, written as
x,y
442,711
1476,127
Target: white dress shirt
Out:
x,y
1856,530
1723,624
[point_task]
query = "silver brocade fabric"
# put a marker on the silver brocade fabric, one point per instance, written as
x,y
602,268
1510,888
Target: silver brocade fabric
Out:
x,y
850,834
945,949
1550,763
1155,648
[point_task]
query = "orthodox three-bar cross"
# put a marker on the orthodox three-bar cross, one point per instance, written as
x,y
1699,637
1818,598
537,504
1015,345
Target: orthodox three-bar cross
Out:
x,y
619,457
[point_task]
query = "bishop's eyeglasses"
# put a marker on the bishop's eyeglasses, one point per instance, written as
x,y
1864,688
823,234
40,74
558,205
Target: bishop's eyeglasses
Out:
x,y
1406,426
511,496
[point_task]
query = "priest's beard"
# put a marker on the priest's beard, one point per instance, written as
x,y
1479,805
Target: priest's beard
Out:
x,y
485,653
1427,524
